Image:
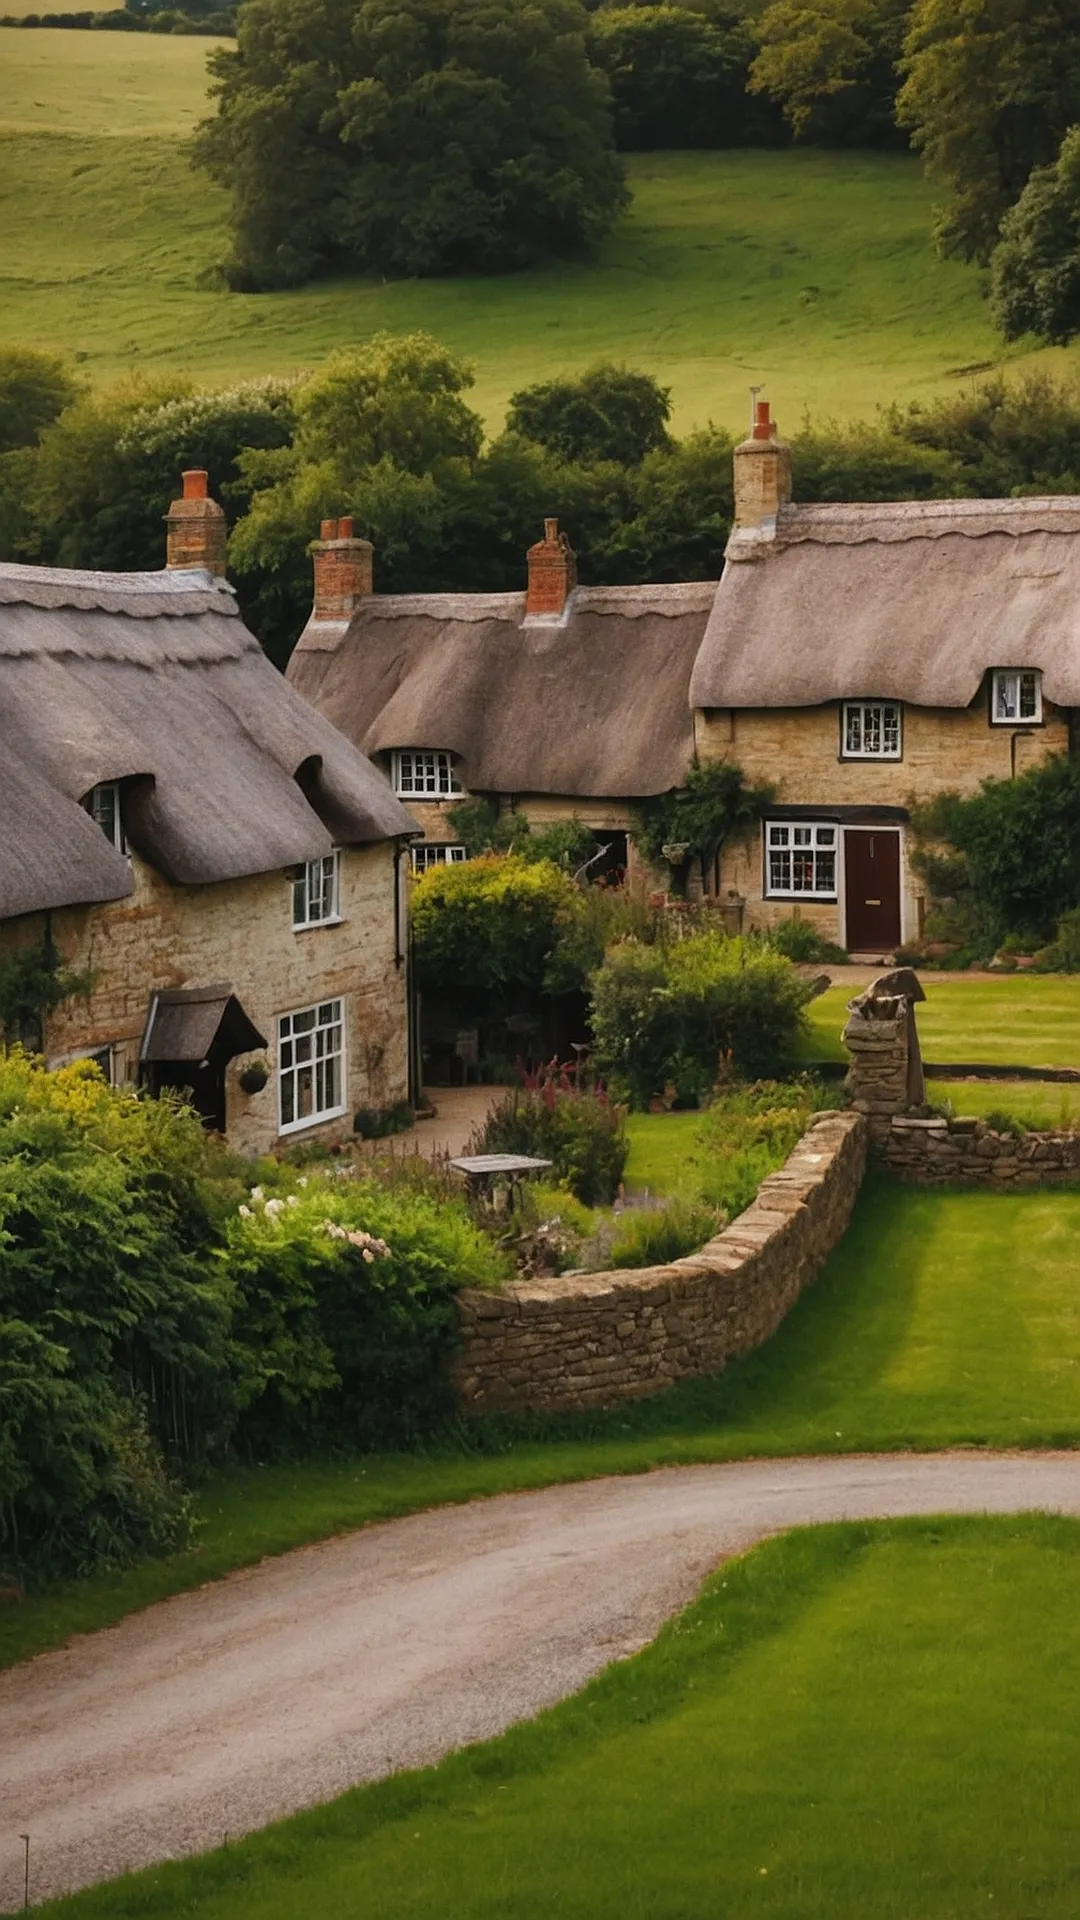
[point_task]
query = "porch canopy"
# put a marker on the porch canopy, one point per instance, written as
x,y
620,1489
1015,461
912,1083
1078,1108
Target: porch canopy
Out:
x,y
192,1023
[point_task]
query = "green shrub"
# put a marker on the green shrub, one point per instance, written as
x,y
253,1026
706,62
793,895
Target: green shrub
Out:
x,y
1000,1120
678,1014
488,926
748,1134
345,1309
579,1130
799,939
650,1237
1063,953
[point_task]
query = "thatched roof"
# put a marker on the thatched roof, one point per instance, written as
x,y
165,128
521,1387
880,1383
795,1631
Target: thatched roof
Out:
x,y
153,678
911,601
593,704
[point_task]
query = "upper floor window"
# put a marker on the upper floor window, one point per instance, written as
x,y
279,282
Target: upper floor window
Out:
x,y
435,855
1015,697
103,804
871,730
424,776
316,891
800,858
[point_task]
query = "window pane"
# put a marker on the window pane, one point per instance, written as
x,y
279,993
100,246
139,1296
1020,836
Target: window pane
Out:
x,y
826,873
1027,704
853,730
1006,691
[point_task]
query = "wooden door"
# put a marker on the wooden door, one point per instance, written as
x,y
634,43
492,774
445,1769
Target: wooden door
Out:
x,y
872,888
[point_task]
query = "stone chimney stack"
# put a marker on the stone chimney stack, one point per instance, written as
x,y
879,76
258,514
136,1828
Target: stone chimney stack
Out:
x,y
552,574
762,473
343,570
195,528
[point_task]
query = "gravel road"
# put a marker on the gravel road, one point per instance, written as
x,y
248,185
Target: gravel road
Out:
x,y
223,1709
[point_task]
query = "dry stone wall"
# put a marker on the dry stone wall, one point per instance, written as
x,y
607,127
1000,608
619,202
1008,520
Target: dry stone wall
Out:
x,y
965,1152
592,1340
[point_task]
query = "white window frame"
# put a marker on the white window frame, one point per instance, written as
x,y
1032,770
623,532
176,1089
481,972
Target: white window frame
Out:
x,y
322,1054
816,840
863,719
103,805
1012,680
316,892
424,773
435,853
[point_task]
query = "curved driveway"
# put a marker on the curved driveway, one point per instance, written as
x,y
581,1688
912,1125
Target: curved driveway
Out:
x,y
223,1709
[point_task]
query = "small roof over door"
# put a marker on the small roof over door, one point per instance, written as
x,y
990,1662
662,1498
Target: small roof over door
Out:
x,y
191,1023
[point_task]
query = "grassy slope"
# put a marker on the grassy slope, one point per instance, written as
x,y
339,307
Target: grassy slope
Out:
x,y
810,271
941,1319
853,1721
1011,1020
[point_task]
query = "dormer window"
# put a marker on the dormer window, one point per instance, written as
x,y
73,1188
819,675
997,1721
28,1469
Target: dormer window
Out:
x,y
870,730
103,805
1016,697
421,775
316,892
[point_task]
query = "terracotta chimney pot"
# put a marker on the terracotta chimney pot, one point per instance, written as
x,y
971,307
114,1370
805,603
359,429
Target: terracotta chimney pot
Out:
x,y
552,565
196,530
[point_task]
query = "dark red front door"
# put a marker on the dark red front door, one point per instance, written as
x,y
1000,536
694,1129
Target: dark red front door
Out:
x,y
872,889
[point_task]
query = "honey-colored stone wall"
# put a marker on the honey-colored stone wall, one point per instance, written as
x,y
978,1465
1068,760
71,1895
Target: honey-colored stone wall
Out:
x,y
966,1152
797,749
239,934
592,1340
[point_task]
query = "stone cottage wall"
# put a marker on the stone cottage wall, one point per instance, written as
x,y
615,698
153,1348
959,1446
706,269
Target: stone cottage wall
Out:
x,y
595,1339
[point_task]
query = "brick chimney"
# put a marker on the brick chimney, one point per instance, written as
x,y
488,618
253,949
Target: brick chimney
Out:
x,y
195,529
552,574
762,472
343,570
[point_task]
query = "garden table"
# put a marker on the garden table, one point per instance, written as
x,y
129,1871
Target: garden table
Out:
x,y
481,1171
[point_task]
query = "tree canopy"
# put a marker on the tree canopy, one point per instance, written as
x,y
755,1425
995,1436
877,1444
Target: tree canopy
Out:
x,y
833,66
678,77
607,413
409,137
1036,263
992,88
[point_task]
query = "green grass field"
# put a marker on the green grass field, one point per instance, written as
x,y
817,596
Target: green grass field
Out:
x,y
810,271
851,1722
1023,1020
941,1319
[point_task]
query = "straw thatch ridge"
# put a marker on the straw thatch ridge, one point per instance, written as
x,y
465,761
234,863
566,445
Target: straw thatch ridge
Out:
x,y
593,704
153,680
913,601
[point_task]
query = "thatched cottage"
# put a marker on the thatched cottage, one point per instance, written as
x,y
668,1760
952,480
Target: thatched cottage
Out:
x,y
181,825
865,657
559,700
858,658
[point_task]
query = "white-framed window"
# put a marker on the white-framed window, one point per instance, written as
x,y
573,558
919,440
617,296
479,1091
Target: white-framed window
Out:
x,y
1015,697
871,730
800,859
103,805
420,775
435,854
316,892
311,1065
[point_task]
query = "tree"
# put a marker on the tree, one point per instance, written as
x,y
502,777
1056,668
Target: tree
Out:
x,y
678,77
833,66
608,413
34,390
409,137
1035,267
992,87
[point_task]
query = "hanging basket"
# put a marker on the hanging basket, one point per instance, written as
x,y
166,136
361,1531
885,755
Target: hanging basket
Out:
x,y
254,1077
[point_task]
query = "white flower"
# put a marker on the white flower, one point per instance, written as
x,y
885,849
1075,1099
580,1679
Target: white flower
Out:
x,y
246,1213
333,1231
368,1256
257,1194
302,1182
273,1208
293,1200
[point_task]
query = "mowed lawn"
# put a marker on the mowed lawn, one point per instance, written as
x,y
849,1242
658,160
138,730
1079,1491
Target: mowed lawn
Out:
x,y
941,1319
851,1722
1024,1020
810,271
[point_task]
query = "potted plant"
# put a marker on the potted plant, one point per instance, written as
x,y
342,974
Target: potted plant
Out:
x,y
254,1076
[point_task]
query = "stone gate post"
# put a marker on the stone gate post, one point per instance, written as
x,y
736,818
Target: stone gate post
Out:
x,y
886,1072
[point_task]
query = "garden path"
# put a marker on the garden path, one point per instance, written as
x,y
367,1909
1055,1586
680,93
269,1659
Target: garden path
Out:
x,y
213,1713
